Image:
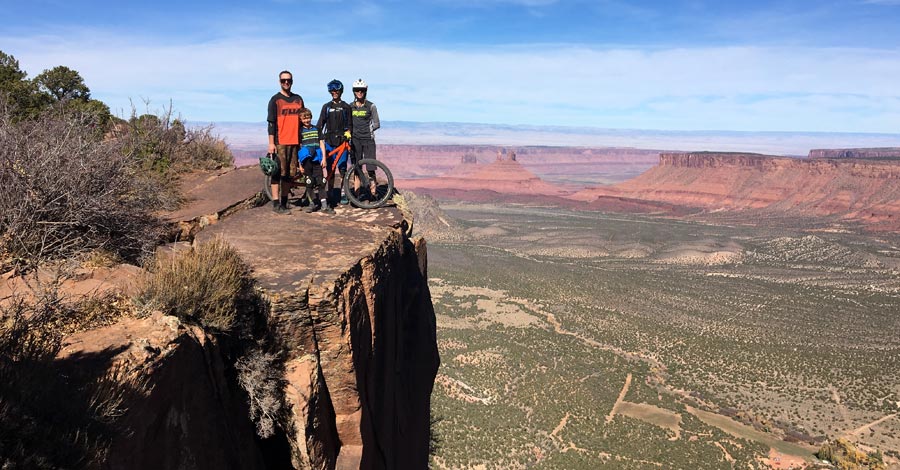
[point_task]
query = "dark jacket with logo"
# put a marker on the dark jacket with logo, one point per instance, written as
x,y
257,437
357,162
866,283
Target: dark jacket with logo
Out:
x,y
334,120
365,120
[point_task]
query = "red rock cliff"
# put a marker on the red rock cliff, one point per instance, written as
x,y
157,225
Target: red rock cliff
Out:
x,y
348,303
861,190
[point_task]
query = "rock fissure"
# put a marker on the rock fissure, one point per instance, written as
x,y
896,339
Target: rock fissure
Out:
x,y
345,301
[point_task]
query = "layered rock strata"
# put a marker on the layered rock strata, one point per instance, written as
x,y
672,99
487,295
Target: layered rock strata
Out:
x,y
866,191
348,299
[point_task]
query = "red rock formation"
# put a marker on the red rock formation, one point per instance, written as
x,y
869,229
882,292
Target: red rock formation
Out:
x,y
859,190
188,415
501,176
352,306
349,302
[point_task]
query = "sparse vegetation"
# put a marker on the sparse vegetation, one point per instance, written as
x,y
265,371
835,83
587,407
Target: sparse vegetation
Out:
x,y
261,377
75,179
204,285
791,338
53,414
67,191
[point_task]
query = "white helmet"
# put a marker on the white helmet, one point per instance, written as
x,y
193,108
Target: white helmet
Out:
x,y
360,84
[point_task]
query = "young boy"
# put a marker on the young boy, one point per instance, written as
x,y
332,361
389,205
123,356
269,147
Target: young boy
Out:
x,y
335,128
311,151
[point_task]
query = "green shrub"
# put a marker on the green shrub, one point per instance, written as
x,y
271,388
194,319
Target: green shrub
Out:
x,y
204,285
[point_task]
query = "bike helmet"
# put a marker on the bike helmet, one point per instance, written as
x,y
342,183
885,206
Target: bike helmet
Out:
x,y
335,85
360,85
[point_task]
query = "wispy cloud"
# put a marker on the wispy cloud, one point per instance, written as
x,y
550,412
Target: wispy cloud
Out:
x,y
741,88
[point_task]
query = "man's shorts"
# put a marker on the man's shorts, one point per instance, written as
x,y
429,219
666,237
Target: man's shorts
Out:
x,y
342,159
287,159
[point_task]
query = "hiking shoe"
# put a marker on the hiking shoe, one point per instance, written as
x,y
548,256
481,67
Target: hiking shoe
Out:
x,y
282,210
309,209
328,210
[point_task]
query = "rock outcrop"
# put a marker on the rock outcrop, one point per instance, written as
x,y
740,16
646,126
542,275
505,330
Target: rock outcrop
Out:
x,y
866,191
348,304
349,300
500,176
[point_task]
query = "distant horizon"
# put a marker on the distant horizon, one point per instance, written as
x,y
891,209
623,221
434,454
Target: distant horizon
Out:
x,y
247,135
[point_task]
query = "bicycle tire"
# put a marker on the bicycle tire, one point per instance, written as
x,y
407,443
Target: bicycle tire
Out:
x,y
361,197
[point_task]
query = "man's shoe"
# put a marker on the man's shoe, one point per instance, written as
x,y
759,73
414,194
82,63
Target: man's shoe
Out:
x,y
344,199
282,210
310,208
328,210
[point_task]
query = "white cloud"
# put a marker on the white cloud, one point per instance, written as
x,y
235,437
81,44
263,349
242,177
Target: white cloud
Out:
x,y
740,88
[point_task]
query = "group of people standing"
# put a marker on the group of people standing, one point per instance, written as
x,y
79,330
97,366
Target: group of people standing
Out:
x,y
318,151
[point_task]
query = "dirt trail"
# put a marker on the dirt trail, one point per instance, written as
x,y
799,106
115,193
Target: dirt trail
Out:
x,y
856,432
560,426
612,412
841,408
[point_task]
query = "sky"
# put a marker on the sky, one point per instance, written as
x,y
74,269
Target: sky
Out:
x,y
812,66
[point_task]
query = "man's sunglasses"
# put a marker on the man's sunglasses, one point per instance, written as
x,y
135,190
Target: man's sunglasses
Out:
x,y
287,80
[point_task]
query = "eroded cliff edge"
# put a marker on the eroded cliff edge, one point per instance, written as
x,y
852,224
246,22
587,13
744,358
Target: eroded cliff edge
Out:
x,y
349,301
348,310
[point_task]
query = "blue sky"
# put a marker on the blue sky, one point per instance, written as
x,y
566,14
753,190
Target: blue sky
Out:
x,y
676,65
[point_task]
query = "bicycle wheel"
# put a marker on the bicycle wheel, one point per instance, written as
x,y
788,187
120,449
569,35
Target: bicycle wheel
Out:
x,y
358,184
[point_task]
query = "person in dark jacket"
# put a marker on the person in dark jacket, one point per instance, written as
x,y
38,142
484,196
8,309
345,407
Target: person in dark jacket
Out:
x,y
335,128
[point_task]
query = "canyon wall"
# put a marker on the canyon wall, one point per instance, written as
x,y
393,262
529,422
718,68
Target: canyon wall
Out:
x,y
866,191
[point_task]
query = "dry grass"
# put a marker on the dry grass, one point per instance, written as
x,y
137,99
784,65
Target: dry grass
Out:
x,y
203,285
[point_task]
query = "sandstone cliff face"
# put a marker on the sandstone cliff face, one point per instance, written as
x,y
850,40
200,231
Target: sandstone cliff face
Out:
x,y
504,177
859,190
348,303
186,413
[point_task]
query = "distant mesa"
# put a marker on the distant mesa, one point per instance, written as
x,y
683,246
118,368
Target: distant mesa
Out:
x,y
849,188
505,175
862,153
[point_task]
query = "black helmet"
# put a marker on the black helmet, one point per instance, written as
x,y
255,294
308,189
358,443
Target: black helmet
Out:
x,y
335,85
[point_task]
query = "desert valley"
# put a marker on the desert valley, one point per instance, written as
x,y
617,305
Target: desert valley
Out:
x,y
706,310
642,308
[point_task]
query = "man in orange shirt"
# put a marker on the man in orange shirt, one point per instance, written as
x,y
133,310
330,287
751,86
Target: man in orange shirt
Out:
x,y
284,139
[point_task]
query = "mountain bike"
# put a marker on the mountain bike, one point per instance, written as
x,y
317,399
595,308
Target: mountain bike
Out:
x,y
368,183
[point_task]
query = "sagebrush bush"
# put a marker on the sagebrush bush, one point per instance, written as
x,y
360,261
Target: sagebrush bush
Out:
x,y
204,285
166,147
67,190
